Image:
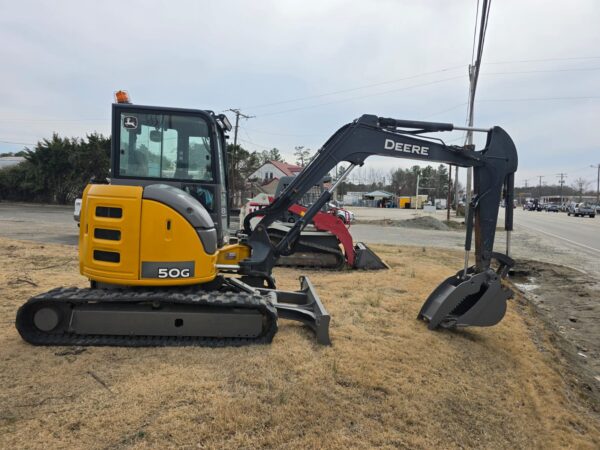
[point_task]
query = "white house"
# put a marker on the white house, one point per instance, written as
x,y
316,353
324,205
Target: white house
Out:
x,y
275,169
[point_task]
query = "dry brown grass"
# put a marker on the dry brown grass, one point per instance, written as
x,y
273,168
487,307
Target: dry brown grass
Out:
x,y
386,381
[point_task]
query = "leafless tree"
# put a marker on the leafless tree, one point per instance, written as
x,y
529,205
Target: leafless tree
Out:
x,y
581,184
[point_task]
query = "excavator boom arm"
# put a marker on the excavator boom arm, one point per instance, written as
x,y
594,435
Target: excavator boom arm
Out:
x,y
494,168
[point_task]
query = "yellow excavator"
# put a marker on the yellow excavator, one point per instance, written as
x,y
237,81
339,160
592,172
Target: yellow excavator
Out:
x,y
163,271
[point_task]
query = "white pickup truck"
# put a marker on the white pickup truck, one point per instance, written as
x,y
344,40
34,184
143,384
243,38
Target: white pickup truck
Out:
x,y
581,209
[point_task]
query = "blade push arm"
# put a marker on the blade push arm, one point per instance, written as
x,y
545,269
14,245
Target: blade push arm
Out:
x,y
371,135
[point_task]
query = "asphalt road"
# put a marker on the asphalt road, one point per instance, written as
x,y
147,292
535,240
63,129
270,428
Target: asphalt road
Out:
x,y
43,223
549,237
582,232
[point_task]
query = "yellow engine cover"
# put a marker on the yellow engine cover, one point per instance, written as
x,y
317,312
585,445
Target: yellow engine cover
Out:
x,y
128,240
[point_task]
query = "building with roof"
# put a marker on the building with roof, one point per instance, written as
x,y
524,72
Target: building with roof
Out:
x,y
7,161
378,195
275,170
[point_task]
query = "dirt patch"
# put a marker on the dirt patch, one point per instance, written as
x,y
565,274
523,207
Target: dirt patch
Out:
x,y
420,222
568,302
455,224
386,382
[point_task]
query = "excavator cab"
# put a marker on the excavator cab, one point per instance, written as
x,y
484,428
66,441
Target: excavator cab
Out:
x,y
183,148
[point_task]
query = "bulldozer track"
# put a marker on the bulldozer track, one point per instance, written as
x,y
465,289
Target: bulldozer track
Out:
x,y
73,297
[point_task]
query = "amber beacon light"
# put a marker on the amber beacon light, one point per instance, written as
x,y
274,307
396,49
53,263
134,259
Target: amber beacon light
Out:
x,y
122,97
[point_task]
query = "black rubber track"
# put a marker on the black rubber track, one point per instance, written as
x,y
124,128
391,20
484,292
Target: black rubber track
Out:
x,y
70,297
307,246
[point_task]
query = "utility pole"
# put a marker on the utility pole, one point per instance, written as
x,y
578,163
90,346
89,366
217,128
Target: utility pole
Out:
x,y
417,195
597,166
473,77
562,181
238,114
473,73
540,188
456,190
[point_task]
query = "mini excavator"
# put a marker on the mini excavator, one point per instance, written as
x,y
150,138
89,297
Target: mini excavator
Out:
x,y
325,243
153,242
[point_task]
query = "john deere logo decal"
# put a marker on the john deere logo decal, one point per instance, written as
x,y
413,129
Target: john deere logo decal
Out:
x,y
130,122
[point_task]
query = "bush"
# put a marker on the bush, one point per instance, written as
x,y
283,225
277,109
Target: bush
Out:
x,y
56,170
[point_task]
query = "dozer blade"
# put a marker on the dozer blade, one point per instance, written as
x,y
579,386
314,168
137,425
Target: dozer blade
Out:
x,y
367,259
303,306
475,300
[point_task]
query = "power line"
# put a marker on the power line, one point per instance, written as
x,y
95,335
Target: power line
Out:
x,y
474,33
360,97
366,86
423,84
19,119
576,69
16,143
572,69
460,105
281,134
520,99
520,61
251,141
300,108
254,143
446,69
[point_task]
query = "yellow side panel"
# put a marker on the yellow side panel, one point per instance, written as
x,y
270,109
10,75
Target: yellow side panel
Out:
x,y
101,207
168,237
120,231
233,254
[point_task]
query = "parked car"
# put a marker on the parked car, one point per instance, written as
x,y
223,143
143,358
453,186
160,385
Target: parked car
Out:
x,y
77,210
343,214
533,206
581,209
552,207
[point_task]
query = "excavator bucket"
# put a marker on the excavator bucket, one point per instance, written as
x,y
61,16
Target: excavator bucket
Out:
x,y
367,259
474,299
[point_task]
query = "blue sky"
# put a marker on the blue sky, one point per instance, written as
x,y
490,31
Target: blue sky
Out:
x,y
62,61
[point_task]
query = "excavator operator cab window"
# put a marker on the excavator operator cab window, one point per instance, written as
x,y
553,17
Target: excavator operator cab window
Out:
x,y
165,146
